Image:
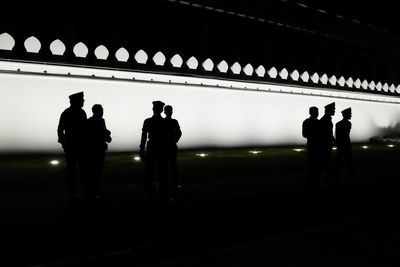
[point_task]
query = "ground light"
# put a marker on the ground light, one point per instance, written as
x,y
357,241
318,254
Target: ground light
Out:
x,y
390,145
255,152
298,149
201,155
365,147
334,148
136,158
54,162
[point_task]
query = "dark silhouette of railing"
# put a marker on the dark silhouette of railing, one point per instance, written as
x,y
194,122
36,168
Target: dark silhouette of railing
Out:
x,y
80,54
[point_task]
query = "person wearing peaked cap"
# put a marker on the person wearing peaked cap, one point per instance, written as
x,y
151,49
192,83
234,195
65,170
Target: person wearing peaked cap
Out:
x,y
330,106
326,142
344,154
71,135
346,111
76,96
310,131
152,150
158,104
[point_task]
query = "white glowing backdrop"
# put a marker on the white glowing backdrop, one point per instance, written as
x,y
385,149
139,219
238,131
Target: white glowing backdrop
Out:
x,y
248,114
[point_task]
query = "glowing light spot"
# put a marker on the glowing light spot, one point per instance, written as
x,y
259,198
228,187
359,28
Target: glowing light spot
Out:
x,y
255,152
390,145
54,162
136,158
334,148
202,155
298,149
365,147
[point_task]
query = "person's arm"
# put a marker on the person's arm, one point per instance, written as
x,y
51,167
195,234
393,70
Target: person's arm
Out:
x,y
178,132
143,140
304,130
107,133
61,130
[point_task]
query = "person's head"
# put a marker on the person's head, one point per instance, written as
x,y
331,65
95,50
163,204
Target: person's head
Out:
x,y
346,113
168,111
313,112
76,100
330,109
97,110
158,107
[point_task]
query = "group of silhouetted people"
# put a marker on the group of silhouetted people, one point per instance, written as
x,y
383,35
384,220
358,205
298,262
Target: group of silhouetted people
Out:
x,y
158,150
322,170
84,142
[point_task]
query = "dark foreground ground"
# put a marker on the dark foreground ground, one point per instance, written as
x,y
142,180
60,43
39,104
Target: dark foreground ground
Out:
x,y
235,209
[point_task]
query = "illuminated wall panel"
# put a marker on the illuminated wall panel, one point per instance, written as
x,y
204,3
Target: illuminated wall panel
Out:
x,y
210,115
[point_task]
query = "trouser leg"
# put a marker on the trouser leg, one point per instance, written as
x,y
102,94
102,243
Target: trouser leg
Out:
x,y
326,164
349,164
339,163
149,172
163,178
313,166
98,171
174,171
71,177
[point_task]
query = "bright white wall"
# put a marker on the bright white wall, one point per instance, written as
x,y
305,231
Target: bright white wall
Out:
x,y
30,106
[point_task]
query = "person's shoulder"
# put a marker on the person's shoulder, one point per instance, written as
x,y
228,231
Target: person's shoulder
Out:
x,y
341,122
147,120
66,111
325,119
82,111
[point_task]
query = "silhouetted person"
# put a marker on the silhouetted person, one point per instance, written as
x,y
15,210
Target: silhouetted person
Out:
x,y
327,141
97,138
71,135
311,131
152,150
172,133
344,151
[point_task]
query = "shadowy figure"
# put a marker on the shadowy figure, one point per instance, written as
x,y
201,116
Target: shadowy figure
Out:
x,y
344,151
71,135
172,135
152,151
327,140
311,131
97,138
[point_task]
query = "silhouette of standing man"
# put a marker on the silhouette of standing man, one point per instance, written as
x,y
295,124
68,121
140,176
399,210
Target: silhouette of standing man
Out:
x,y
173,134
71,135
98,137
327,141
344,151
311,131
152,150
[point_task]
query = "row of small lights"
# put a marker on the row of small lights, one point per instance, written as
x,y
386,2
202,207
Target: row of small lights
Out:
x,y
280,24
203,155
